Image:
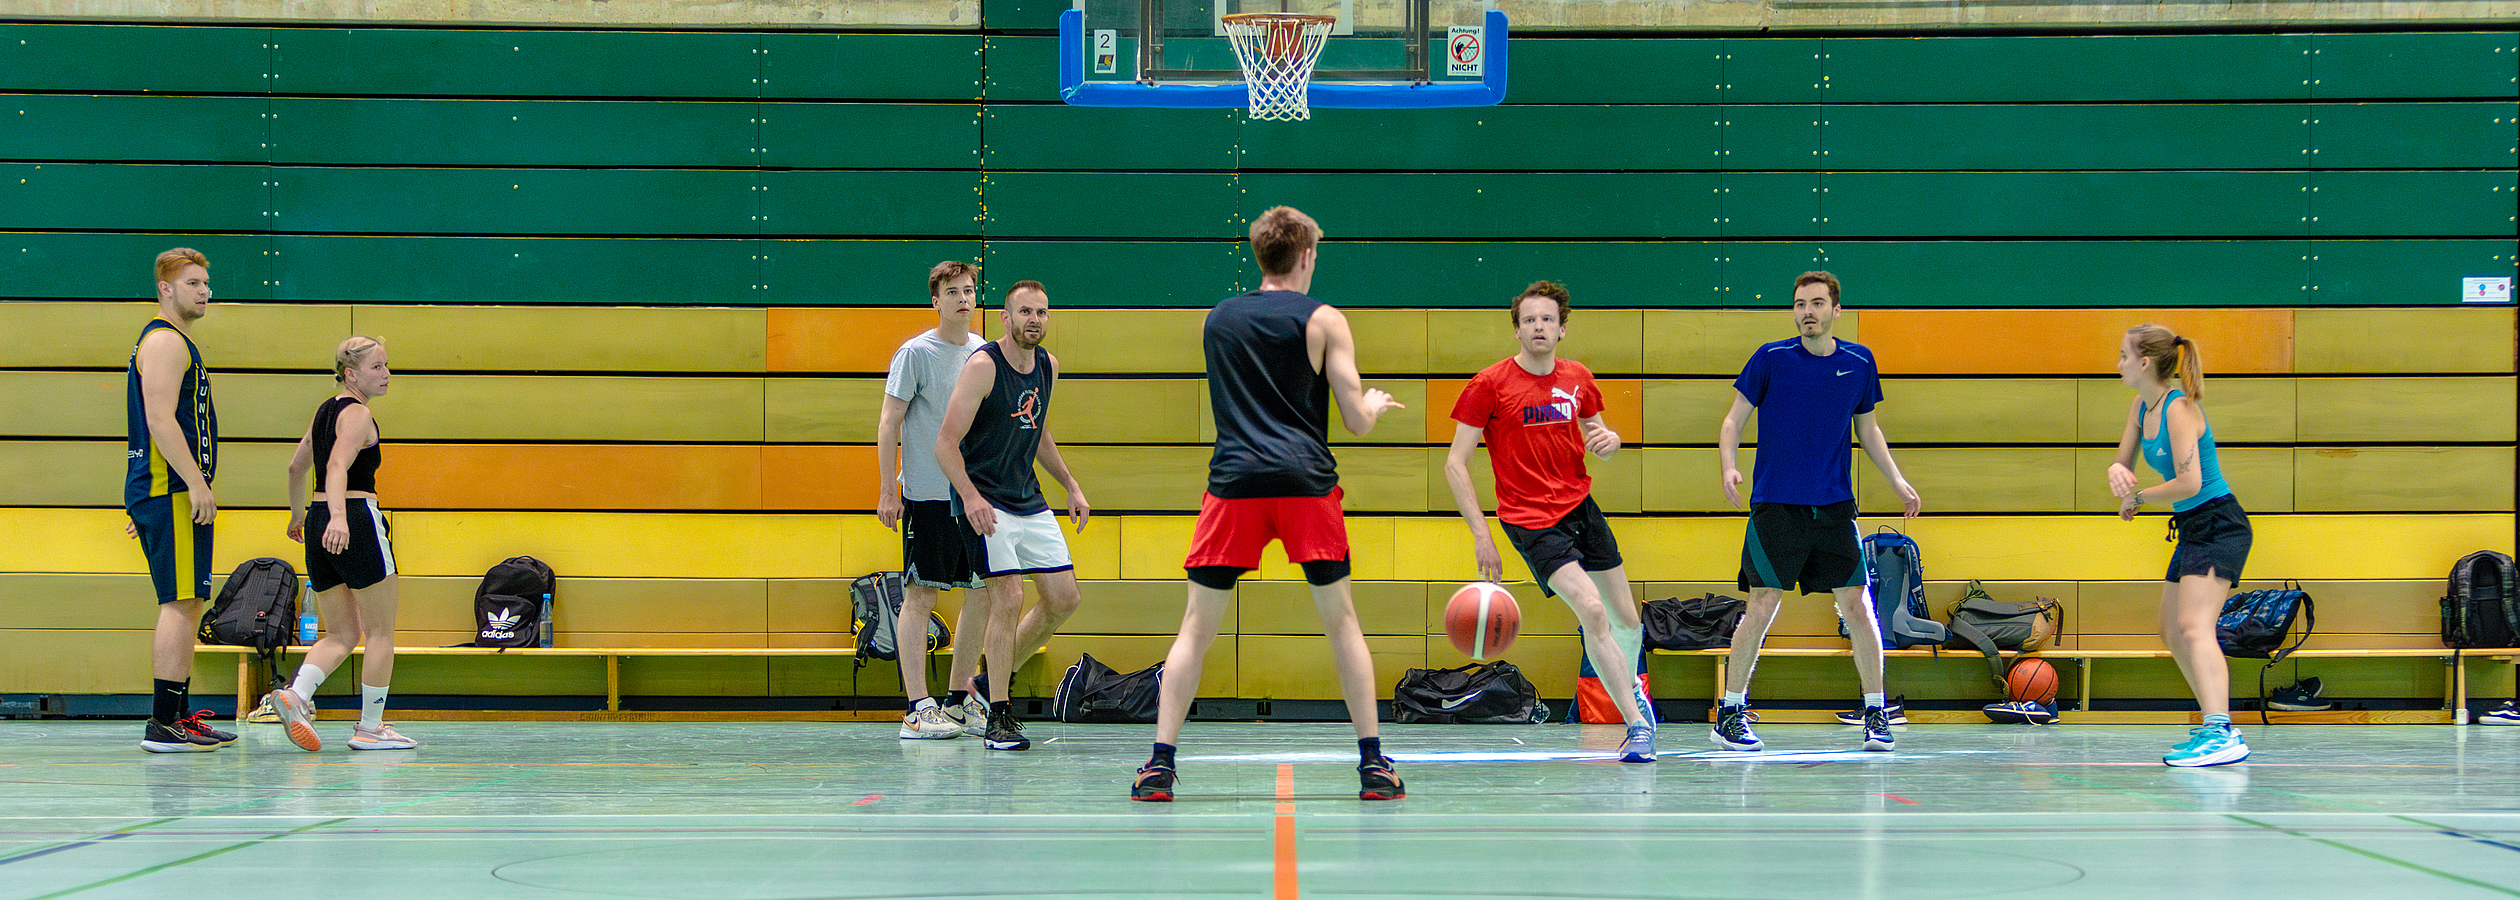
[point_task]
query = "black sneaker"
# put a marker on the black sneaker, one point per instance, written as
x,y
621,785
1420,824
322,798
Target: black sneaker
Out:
x,y
2301,697
2021,712
1005,733
161,738
199,723
1154,783
1897,711
1877,734
1377,780
1732,729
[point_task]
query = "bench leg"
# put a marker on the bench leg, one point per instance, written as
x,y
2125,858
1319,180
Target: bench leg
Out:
x,y
1722,664
2082,684
2454,690
244,686
612,683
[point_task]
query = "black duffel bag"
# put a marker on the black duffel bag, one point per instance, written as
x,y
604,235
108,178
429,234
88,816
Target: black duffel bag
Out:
x,y
1093,692
1701,623
1493,693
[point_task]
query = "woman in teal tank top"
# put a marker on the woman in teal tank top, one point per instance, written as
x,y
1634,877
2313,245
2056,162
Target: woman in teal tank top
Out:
x,y
2167,427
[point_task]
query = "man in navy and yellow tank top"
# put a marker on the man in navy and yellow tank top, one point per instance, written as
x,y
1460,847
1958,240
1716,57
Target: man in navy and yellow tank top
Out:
x,y
173,453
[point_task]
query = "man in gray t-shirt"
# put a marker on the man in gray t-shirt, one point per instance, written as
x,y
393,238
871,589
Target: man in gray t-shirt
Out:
x,y
939,551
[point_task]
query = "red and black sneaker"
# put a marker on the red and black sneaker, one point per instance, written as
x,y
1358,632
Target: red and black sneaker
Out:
x,y
1377,780
1154,783
199,723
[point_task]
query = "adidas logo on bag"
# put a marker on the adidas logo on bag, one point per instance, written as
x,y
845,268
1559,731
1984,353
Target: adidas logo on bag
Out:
x,y
502,625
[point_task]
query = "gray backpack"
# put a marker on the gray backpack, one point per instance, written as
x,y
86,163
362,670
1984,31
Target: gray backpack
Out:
x,y
1992,626
875,603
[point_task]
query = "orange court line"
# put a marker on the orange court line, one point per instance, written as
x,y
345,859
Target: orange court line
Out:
x,y
1284,885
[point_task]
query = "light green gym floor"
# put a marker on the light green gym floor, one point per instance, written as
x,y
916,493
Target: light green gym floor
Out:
x,y
846,810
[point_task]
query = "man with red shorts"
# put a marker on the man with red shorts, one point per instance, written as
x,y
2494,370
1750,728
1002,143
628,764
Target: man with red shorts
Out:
x,y
1275,358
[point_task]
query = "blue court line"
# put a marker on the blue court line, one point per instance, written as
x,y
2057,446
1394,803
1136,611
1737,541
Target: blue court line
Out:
x,y
2453,832
73,845
2349,848
160,867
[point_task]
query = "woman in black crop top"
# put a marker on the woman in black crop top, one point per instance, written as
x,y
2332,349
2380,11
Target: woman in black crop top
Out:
x,y
349,556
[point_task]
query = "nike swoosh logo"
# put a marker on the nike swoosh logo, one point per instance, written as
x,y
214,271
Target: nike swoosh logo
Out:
x,y
1457,704
1850,372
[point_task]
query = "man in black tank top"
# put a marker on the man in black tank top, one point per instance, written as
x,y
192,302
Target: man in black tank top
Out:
x,y
1275,359
997,424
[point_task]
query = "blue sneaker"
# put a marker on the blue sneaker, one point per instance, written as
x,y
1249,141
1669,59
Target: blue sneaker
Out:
x,y
1639,747
2208,745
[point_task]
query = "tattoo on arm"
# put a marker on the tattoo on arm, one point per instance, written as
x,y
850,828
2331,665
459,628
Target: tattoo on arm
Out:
x,y
2187,464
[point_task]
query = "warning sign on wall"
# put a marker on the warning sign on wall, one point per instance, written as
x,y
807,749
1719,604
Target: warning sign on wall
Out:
x,y
1465,51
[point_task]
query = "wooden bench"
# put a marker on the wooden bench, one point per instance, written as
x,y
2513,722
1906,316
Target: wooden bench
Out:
x,y
2454,683
248,693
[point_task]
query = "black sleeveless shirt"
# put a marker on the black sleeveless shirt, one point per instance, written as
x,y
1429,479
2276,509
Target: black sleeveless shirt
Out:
x,y
1272,410
1006,432
362,475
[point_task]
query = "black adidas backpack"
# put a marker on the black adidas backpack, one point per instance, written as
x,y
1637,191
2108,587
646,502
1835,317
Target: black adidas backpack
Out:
x,y
2480,610
257,608
508,606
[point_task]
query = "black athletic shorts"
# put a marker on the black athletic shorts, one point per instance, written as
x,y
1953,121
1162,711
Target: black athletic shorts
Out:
x,y
2213,540
368,559
1813,547
1582,537
938,548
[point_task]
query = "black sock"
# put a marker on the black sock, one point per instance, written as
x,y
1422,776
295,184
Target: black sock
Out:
x,y
1370,749
1163,756
169,701
1002,708
956,698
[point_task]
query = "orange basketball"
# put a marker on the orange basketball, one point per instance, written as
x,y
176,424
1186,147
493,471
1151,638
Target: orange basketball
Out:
x,y
2031,679
1482,619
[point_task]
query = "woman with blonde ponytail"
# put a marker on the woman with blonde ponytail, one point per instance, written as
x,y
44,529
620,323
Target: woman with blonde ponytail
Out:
x,y
2167,426
349,556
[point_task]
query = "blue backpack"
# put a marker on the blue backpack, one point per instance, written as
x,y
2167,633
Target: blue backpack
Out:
x,y
1894,577
2253,625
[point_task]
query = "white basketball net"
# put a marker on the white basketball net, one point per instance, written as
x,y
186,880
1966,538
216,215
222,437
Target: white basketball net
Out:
x,y
1277,51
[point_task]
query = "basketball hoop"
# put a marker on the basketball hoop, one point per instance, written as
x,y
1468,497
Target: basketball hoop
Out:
x,y
1277,51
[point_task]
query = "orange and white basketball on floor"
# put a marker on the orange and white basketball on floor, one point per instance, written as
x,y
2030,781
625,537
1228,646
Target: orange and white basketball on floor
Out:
x,y
1482,619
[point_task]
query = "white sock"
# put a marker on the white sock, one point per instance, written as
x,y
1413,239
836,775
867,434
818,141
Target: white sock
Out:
x,y
1876,701
372,706
1736,698
308,680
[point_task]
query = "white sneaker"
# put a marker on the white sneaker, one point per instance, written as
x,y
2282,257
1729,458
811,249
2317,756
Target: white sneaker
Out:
x,y
929,723
298,716
2506,714
383,738
974,714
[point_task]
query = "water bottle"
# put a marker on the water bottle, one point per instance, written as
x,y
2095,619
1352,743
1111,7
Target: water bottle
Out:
x,y
545,625
306,615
